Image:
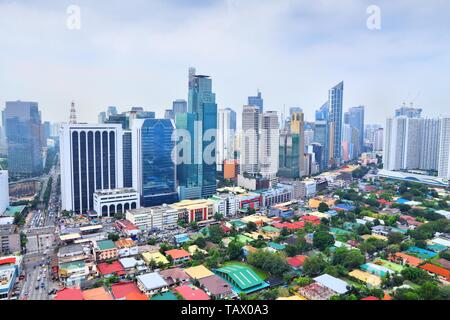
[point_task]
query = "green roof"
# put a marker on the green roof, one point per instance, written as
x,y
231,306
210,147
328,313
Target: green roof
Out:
x,y
12,210
270,229
241,276
238,223
243,239
72,265
276,246
339,231
105,244
390,265
164,296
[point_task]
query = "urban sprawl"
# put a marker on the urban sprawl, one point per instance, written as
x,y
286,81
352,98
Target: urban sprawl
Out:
x,y
191,207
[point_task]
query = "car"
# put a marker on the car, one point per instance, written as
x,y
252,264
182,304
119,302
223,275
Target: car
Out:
x,y
38,279
42,285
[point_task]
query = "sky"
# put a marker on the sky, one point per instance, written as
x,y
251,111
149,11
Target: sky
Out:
x,y
137,53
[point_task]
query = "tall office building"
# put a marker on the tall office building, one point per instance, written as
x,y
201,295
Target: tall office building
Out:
x,y
112,111
321,137
179,106
249,145
444,149
292,149
102,117
127,159
355,118
154,170
23,128
269,144
91,159
257,101
168,114
335,104
377,139
323,113
226,131
197,179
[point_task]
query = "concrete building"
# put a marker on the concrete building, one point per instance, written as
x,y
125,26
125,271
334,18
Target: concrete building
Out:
x,y
200,211
249,146
226,130
444,149
9,239
91,159
159,217
4,191
109,202
269,149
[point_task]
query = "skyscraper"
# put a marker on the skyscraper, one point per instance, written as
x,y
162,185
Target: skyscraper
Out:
x,y
226,131
321,137
444,149
429,144
355,118
249,145
197,179
269,144
257,101
154,171
179,106
323,113
23,127
335,103
91,159
292,149
409,112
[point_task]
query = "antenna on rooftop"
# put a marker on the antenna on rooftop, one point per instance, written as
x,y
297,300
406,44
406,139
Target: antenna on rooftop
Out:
x,y
73,114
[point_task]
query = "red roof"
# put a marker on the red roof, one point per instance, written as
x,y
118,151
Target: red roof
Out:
x,y
69,294
225,228
191,293
127,291
385,202
9,260
126,225
178,253
110,268
436,270
296,261
370,298
311,219
289,225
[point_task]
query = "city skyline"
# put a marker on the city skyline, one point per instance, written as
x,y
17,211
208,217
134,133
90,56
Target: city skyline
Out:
x,y
99,62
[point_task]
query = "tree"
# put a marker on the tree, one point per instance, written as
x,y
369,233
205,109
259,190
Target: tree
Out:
x,y
429,291
151,241
218,216
395,237
216,233
119,216
323,207
349,259
322,240
314,266
234,250
251,226
113,236
200,242
272,263
193,225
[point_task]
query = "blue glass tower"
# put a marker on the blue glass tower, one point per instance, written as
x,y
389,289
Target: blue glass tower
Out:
x,y
257,101
154,171
335,103
197,179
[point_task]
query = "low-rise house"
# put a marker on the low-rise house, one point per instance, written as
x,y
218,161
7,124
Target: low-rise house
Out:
x,y
72,273
316,291
441,273
198,272
151,283
114,268
403,258
216,287
126,248
96,294
371,280
127,291
178,255
127,228
297,261
191,292
194,248
174,276
155,257
337,285
105,250
131,265
69,294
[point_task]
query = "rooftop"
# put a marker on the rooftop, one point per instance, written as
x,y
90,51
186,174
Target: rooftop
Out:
x,y
190,292
333,283
127,291
151,281
110,268
99,293
105,245
198,272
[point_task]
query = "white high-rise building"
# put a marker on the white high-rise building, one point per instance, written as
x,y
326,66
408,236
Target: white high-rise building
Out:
x,y
429,150
269,146
444,149
378,136
91,159
394,143
411,159
249,140
226,130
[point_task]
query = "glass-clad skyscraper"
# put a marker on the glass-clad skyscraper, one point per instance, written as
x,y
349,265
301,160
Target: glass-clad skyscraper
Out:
x,y
154,171
22,122
335,104
197,177
257,101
